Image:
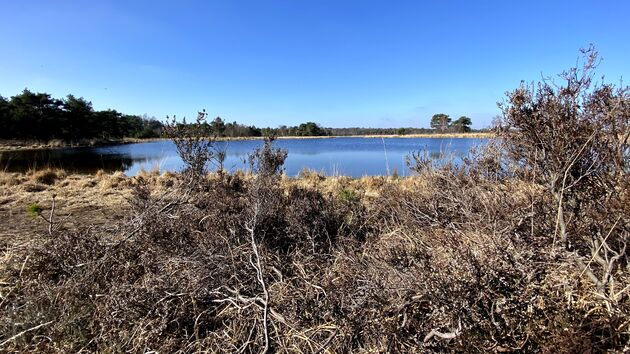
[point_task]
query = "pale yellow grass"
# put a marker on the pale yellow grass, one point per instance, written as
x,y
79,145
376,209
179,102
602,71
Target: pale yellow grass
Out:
x,y
485,135
82,199
102,198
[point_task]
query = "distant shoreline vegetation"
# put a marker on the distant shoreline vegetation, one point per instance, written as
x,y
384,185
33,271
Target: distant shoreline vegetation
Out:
x,y
71,121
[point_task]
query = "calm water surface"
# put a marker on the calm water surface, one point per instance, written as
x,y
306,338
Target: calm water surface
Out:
x,y
332,156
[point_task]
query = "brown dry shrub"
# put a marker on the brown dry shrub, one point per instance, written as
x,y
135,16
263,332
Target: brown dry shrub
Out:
x,y
342,273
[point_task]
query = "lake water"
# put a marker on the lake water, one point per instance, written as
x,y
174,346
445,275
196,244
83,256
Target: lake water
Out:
x,y
332,156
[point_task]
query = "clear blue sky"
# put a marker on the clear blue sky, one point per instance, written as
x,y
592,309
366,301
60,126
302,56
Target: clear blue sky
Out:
x,y
339,63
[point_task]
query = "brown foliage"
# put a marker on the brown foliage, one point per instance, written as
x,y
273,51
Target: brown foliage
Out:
x,y
572,139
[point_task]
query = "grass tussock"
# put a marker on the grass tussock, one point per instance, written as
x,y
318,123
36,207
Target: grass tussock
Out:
x,y
114,180
47,176
8,179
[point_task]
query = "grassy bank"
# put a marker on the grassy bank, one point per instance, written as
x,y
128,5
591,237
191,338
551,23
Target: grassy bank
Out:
x,y
13,145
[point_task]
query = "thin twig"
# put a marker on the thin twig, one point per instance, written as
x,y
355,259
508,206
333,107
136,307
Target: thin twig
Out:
x,y
600,247
259,273
52,213
24,332
327,342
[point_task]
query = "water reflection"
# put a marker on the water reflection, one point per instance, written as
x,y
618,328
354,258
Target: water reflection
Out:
x,y
344,156
76,160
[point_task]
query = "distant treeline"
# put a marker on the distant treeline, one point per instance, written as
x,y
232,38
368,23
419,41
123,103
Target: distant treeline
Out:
x,y
38,116
218,127
377,131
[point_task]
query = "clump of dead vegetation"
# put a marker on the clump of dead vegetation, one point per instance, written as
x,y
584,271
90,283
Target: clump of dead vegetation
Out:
x,y
522,248
48,176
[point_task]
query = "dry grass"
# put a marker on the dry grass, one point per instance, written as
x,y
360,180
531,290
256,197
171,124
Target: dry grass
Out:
x,y
98,199
47,176
350,265
484,135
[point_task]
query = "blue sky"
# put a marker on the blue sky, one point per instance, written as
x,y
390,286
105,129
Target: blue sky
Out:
x,y
339,63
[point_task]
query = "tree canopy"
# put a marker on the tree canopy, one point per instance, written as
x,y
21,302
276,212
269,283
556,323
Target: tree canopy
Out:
x,y
38,116
440,122
462,124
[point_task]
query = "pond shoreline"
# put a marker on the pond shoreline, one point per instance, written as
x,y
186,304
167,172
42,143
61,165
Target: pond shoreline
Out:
x,y
23,145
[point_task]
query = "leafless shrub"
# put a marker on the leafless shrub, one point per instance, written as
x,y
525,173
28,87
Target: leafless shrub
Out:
x,y
573,140
195,148
563,150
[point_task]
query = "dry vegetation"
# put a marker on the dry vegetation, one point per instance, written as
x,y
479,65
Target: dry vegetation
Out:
x,y
520,249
